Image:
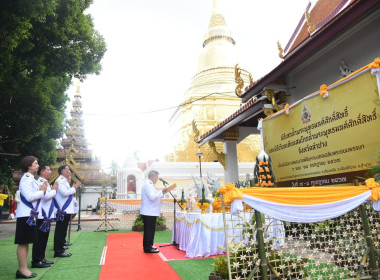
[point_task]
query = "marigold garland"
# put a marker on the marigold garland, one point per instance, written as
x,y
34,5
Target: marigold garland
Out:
x,y
375,187
323,90
375,64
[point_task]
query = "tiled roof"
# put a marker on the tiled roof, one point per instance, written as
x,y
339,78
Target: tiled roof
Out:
x,y
322,13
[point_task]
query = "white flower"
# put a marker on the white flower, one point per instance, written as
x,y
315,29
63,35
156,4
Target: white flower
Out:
x,y
250,263
235,264
243,257
244,271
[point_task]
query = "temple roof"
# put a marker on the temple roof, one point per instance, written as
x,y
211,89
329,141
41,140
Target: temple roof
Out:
x,y
337,19
321,14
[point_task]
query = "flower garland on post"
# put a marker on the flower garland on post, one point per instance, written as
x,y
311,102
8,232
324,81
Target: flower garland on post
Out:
x,y
203,203
263,172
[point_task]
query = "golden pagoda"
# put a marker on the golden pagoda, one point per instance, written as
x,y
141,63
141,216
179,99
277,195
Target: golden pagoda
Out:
x,y
212,97
75,153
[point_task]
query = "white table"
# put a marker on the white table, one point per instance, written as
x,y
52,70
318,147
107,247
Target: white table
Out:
x,y
200,235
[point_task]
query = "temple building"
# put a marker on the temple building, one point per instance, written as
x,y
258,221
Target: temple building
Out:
x,y
84,166
212,96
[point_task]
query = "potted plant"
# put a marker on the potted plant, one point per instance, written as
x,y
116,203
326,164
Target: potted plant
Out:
x,y
220,271
138,224
203,204
182,203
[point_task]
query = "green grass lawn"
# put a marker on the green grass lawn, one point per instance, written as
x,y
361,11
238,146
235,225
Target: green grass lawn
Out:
x,y
85,261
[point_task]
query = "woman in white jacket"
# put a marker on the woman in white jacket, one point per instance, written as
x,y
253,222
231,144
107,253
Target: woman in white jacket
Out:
x,y
27,213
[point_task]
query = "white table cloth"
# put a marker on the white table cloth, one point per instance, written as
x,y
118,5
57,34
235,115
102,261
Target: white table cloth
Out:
x,y
200,235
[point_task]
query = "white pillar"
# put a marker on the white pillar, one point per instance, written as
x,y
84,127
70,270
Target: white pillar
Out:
x,y
231,173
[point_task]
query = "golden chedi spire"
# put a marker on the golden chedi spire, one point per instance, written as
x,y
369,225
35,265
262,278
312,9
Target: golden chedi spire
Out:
x,y
211,97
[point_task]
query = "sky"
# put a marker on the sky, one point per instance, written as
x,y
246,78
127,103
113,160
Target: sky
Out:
x,y
152,54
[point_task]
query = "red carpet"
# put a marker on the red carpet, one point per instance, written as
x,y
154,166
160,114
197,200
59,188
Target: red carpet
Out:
x,y
171,253
124,259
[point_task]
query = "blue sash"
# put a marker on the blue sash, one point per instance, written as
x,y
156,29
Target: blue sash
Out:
x,y
33,213
45,227
61,212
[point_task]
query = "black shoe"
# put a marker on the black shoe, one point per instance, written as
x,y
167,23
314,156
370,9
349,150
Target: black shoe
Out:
x,y
40,264
67,244
151,250
48,262
65,248
19,274
62,255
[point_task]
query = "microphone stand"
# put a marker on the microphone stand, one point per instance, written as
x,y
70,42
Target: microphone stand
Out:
x,y
174,243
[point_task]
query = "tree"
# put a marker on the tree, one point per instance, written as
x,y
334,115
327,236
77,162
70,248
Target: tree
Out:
x,y
44,44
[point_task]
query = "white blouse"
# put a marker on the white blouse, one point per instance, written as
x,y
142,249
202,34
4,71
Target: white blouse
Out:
x,y
30,189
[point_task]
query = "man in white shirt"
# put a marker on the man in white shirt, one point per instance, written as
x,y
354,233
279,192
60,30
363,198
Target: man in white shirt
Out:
x,y
64,203
151,209
45,217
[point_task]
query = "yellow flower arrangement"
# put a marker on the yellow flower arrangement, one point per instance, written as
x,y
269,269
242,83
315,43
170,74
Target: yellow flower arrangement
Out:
x,y
183,206
375,64
375,187
206,204
323,90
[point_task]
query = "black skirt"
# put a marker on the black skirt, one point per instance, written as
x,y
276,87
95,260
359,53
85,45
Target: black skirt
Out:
x,y
25,234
